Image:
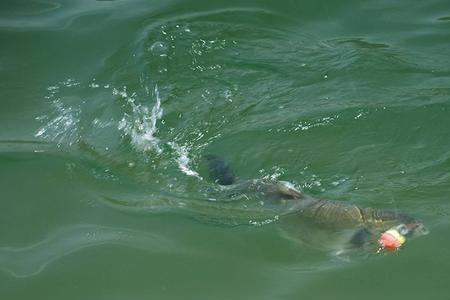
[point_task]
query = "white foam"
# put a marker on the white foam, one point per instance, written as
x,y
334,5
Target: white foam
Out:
x,y
141,124
183,160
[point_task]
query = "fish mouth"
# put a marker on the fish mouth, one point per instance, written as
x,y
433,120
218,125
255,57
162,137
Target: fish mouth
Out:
x,y
411,229
418,229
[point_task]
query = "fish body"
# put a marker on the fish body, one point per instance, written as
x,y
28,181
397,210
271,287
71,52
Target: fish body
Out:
x,y
337,224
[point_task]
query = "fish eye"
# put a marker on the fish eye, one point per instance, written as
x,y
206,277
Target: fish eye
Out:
x,y
402,229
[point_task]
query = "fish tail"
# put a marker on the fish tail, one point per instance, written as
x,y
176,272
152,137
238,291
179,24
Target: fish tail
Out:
x,y
220,170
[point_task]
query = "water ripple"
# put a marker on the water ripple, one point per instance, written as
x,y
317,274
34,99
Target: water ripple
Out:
x,y
33,259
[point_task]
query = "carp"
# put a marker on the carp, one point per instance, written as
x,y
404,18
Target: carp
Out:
x,y
328,224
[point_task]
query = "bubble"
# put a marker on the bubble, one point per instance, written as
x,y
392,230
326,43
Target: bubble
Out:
x,y
158,48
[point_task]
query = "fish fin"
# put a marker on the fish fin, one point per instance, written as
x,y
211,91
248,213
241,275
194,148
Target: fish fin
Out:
x,y
359,238
287,191
220,170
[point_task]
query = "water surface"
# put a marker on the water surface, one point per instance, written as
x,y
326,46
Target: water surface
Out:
x,y
107,108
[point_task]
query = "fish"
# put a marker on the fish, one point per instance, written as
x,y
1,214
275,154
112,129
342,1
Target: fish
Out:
x,y
327,224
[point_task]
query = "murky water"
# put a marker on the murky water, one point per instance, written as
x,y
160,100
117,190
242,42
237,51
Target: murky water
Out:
x,y
108,108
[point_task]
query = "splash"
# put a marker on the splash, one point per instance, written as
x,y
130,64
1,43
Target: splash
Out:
x,y
76,120
141,124
63,123
324,121
274,174
183,160
264,222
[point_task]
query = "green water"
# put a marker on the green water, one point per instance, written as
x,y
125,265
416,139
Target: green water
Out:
x,y
107,107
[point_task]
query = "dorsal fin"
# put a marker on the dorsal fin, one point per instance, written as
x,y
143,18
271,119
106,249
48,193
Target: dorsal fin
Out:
x,y
220,170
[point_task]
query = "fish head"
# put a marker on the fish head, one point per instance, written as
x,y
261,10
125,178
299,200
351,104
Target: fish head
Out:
x,y
412,229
